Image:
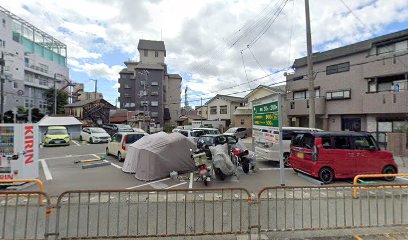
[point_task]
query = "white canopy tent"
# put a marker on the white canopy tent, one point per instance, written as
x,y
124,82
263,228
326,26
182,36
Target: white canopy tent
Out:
x,y
155,156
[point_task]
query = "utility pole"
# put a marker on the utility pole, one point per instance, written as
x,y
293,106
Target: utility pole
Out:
x,y
96,84
201,107
55,95
312,114
2,63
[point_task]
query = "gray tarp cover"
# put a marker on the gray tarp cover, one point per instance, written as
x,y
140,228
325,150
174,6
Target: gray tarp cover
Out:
x,y
155,156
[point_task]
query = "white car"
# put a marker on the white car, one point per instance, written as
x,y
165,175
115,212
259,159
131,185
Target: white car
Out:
x,y
270,151
238,132
139,130
192,134
120,143
208,130
94,135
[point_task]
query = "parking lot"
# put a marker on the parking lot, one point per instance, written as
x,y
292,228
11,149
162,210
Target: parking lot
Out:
x,y
59,173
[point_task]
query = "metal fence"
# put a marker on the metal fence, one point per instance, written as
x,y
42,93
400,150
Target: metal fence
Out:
x,y
143,213
24,215
191,212
331,207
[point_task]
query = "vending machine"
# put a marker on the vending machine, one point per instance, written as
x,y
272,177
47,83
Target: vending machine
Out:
x,y
19,148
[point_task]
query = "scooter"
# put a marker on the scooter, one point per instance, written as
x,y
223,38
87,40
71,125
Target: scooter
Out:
x,y
204,171
239,158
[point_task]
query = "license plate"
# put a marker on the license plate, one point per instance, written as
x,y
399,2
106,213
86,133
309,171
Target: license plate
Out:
x,y
300,155
57,141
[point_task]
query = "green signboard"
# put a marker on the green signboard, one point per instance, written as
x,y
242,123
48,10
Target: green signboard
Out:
x,y
266,115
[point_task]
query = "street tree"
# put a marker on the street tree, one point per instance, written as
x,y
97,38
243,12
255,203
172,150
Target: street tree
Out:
x,y
62,100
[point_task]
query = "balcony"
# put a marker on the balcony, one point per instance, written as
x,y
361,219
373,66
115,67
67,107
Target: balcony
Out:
x,y
299,107
386,102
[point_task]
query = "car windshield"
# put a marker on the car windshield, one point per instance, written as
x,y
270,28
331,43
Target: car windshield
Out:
x,y
231,130
206,140
197,133
131,138
57,132
125,128
97,130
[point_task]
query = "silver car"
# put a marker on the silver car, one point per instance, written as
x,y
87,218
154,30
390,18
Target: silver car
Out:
x,y
238,132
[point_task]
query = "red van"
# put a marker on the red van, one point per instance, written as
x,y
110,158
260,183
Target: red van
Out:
x,y
330,155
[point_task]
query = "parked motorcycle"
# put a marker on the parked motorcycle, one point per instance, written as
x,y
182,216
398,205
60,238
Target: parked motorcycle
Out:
x,y
240,158
204,171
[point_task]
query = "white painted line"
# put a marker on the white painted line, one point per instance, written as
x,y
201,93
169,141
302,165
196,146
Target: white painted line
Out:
x,y
115,165
75,142
403,178
46,170
69,156
95,156
145,184
176,185
190,185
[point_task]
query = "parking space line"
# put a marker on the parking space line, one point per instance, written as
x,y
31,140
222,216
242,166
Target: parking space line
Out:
x,y
75,142
179,184
46,170
69,156
190,185
145,184
115,165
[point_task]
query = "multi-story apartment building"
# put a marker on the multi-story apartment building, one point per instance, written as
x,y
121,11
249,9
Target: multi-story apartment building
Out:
x,y
359,87
146,87
33,59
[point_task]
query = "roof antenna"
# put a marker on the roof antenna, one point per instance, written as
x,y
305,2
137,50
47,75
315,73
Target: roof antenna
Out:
x,y
161,34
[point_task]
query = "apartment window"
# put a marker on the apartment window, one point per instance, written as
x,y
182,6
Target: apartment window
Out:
x,y
213,110
4,22
144,103
154,103
142,93
127,86
156,53
304,94
242,121
43,82
146,53
142,83
292,105
154,114
223,109
154,93
15,85
155,84
127,95
340,94
338,68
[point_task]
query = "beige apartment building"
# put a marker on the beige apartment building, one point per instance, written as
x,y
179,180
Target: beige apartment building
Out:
x,y
222,107
359,87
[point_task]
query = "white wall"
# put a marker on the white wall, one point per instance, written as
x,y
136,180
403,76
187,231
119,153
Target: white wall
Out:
x,y
151,58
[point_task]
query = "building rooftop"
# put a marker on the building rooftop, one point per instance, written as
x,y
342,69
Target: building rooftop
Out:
x,y
226,97
58,121
174,76
353,48
151,45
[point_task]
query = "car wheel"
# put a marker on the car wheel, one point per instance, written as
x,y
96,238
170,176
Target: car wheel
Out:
x,y
245,136
389,170
90,140
286,162
326,175
107,152
120,157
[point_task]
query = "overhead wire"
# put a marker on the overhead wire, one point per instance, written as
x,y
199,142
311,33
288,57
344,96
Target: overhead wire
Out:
x,y
246,75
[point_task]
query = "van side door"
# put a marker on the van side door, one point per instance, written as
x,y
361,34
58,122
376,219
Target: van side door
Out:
x,y
367,158
342,156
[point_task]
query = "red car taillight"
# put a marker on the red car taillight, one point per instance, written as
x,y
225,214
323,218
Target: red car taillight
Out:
x,y
124,143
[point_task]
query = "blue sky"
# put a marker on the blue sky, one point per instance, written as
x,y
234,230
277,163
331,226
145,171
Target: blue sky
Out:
x,y
203,39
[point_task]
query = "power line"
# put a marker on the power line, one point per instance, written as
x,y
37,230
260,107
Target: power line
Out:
x,y
243,63
352,13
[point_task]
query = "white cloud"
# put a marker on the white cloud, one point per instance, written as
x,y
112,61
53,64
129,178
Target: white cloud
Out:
x,y
199,34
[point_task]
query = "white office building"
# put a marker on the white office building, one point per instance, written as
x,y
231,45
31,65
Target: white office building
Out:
x,y
33,59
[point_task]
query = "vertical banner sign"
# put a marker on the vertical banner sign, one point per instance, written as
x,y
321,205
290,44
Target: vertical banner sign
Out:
x,y
266,129
19,147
